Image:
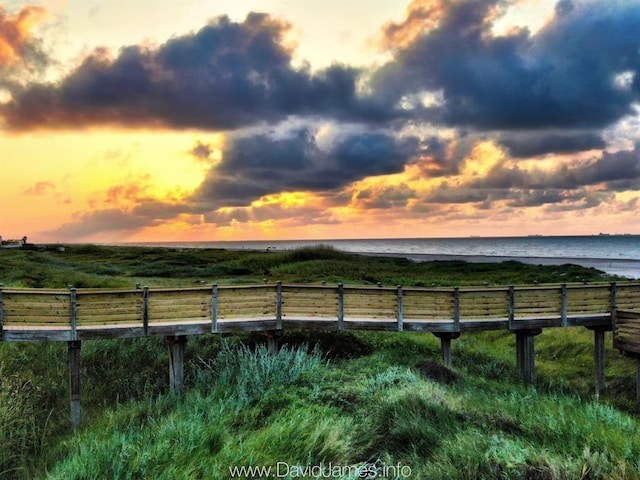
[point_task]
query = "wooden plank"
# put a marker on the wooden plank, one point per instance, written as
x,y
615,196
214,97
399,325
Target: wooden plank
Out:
x,y
310,313
109,332
411,312
329,324
310,303
44,302
189,307
180,291
37,312
225,306
111,319
37,321
262,315
429,326
114,310
35,335
301,293
36,291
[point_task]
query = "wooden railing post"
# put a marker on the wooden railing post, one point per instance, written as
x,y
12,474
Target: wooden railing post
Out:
x,y
563,305
512,307
1,311
279,305
73,299
73,349
214,308
400,309
613,300
456,309
340,306
145,311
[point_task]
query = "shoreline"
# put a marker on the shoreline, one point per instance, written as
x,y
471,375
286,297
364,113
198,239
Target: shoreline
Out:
x,y
624,267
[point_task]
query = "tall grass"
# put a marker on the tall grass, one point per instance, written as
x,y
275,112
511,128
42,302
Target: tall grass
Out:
x,y
371,406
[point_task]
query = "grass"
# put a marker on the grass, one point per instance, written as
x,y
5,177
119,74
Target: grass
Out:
x,y
94,266
465,430
369,401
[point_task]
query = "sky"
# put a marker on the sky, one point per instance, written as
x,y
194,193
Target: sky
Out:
x,y
196,120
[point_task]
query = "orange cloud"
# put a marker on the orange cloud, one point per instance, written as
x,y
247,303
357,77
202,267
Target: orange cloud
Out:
x,y
422,16
15,33
39,188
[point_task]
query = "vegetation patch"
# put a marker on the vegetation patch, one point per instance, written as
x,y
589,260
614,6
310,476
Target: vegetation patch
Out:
x,y
359,399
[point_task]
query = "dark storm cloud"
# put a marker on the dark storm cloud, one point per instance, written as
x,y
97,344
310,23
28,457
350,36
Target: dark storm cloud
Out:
x,y
618,171
563,76
230,75
100,221
261,164
289,216
385,197
202,151
533,144
615,171
226,75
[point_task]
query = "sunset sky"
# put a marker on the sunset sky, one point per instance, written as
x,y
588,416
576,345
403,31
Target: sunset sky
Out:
x,y
166,120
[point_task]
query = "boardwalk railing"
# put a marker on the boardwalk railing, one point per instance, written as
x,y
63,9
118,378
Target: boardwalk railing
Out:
x,y
84,314
75,315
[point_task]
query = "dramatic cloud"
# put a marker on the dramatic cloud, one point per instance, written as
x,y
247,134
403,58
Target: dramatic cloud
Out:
x,y
533,144
202,151
16,41
582,69
462,120
257,165
225,76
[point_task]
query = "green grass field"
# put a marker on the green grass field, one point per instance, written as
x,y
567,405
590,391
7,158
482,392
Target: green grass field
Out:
x,y
376,404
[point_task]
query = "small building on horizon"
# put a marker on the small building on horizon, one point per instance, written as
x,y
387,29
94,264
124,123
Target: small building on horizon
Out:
x,y
13,243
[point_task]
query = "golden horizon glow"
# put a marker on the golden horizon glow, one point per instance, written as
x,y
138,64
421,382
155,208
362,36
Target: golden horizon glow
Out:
x,y
143,172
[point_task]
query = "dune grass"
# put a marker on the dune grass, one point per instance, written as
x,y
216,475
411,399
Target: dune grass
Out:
x,y
366,401
247,408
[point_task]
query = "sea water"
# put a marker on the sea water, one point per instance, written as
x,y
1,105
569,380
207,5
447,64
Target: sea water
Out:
x,y
616,254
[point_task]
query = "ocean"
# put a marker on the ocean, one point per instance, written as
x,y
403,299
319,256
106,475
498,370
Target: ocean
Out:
x,y
615,254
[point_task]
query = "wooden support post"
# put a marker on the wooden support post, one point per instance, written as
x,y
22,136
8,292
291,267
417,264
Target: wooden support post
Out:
x,y
272,343
519,352
598,341
638,378
445,345
526,354
176,344
73,348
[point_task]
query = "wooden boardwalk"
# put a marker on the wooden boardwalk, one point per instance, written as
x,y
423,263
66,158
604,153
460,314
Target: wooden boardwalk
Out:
x,y
75,315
